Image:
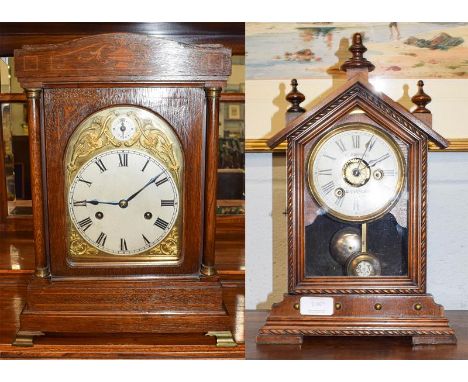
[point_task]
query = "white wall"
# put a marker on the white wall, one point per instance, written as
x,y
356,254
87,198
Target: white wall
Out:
x,y
266,104
266,229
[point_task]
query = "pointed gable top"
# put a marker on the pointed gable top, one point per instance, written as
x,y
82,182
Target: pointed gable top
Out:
x,y
358,88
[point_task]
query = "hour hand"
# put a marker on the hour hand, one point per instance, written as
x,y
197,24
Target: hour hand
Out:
x,y
94,202
373,162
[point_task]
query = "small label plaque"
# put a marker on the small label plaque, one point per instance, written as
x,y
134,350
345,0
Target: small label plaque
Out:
x,y
316,306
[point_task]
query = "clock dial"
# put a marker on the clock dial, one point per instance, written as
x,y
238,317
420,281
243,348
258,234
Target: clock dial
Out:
x,y
356,173
123,128
123,202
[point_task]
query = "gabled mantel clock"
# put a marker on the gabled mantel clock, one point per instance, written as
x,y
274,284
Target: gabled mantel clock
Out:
x,y
357,193
124,137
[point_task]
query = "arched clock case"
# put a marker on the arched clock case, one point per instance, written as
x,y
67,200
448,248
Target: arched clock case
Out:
x,y
124,132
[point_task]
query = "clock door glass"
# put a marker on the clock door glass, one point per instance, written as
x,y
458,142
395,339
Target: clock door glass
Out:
x,y
124,199
356,204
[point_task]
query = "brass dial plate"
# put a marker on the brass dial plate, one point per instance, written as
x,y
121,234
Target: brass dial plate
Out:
x,y
146,136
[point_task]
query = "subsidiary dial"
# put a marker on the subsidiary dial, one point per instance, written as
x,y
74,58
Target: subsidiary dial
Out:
x,y
123,128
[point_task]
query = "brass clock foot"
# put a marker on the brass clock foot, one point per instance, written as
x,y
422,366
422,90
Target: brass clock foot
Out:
x,y
26,339
224,339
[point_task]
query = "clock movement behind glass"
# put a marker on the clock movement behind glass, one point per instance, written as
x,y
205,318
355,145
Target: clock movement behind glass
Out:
x,y
124,137
357,191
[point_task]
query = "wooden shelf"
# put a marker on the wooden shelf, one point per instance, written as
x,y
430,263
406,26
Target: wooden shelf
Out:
x,y
12,97
232,97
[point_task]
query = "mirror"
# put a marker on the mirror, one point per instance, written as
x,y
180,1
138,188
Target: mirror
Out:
x,y
15,145
231,167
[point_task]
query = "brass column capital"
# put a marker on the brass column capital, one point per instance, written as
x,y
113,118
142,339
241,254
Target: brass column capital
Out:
x,y
213,92
33,93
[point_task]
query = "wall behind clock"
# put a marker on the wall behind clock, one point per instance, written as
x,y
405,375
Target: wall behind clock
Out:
x,y
266,228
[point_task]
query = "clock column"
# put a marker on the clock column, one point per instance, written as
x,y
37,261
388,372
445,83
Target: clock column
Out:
x,y
34,121
211,179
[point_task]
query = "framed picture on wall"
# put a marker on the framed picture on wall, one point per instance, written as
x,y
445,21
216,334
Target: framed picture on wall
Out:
x,y
234,111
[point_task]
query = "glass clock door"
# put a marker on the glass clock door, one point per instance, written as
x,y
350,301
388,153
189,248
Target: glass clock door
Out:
x,y
356,207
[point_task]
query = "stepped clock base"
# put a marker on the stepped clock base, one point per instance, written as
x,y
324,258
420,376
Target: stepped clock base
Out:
x,y
416,316
160,307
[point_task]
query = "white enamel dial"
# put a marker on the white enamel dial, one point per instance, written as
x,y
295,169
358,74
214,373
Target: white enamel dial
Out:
x,y
123,202
356,173
123,128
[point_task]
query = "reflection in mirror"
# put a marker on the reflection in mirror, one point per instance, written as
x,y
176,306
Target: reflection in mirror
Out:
x,y
13,117
236,81
231,143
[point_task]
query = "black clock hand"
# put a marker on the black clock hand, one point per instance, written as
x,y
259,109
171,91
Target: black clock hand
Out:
x,y
96,202
122,128
373,162
361,160
152,180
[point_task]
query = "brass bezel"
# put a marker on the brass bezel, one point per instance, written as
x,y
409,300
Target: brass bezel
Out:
x,y
155,137
361,127
355,259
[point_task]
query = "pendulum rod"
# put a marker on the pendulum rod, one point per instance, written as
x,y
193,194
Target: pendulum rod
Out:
x,y
364,238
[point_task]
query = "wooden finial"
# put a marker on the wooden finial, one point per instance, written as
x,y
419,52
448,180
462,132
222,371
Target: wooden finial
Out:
x,y
357,61
421,99
295,97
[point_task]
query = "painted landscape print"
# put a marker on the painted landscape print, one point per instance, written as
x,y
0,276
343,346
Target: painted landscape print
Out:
x,y
316,50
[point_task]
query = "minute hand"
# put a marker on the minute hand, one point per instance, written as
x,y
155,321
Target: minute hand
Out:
x,y
152,180
369,144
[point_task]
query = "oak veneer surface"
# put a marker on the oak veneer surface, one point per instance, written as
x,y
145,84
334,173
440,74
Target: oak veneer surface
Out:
x,y
369,348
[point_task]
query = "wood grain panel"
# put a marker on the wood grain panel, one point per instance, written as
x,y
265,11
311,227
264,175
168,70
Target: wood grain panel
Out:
x,y
126,57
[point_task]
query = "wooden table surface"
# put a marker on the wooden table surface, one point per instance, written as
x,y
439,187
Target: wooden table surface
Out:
x,y
368,348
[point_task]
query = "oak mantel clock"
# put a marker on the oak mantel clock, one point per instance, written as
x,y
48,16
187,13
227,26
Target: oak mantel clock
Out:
x,y
357,192
124,131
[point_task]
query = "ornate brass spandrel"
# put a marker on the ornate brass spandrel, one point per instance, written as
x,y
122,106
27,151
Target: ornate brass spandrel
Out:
x,y
164,251
152,135
79,247
168,246
158,143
